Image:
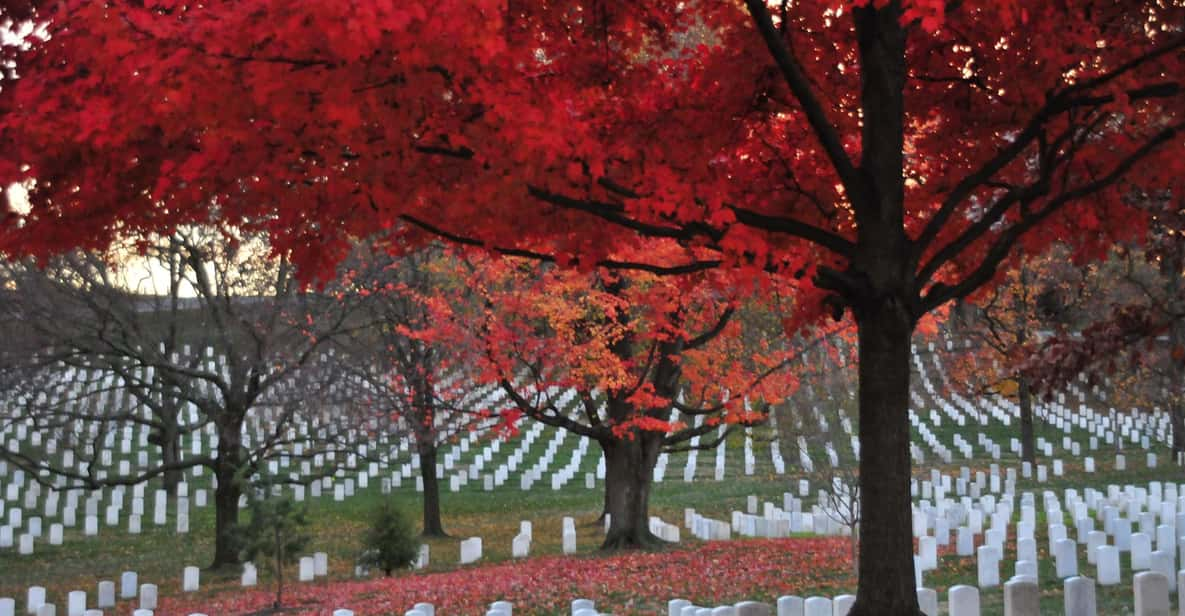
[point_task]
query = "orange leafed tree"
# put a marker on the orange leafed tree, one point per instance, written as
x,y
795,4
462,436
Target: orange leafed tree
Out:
x,y
639,363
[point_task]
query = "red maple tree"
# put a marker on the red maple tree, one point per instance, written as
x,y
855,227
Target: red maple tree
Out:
x,y
891,153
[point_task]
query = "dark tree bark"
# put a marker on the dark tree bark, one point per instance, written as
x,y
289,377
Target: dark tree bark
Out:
x,y
1170,268
882,302
169,442
1177,423
433,527
1028,445
629,472
886,529
228,471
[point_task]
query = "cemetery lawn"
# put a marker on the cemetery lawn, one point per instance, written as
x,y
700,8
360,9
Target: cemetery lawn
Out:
x,y
623,583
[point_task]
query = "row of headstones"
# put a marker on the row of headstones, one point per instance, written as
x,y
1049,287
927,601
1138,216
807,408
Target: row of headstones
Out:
x,y
1105,557
1161,500
587,607
310,567
129,588
1005,410
1021,598
1064,550
748,461
262,427
339,489
105,455
1137,427
462,446
994,537
34,525
471,548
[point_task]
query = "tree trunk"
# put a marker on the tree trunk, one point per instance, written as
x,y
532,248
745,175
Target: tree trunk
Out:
x,y
1177,423
170,452
226,495
167,438
279,569
1028,445
629,471
432,523
887,585
854,547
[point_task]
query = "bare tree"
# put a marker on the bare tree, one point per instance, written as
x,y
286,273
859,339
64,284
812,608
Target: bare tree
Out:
x,y
231,340
814,423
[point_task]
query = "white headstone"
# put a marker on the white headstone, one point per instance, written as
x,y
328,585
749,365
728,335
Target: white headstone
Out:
x,y
1151,593
34,598
470,550
1141,551
1065,554
675,606
988,561
1107,562
753,608
148,596
189,579
76,603
963,601
1163,563
1080,597
250,575
928,601
928,553
569,542
106,594
128,585
520,546
1021,598
964,541
790,605
817,606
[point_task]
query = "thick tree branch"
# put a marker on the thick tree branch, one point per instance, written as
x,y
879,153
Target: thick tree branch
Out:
x,y
799,85
796,228
555,418
1056,104
1002,246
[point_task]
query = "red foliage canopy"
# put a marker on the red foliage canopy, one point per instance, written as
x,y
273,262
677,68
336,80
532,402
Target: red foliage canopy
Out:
x,y
735,130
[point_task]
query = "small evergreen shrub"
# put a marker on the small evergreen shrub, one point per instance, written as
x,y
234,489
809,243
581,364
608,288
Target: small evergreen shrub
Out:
x,y
276,534
391,541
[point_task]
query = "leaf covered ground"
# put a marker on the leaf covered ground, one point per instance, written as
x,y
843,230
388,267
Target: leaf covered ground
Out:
x,y
623,583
